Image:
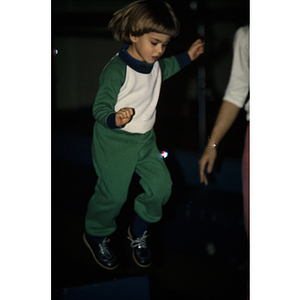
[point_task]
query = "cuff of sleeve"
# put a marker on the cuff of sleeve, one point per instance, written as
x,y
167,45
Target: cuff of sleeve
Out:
x,y
183,59
111,121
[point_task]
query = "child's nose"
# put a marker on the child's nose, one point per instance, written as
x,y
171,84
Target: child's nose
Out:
x,y
159,49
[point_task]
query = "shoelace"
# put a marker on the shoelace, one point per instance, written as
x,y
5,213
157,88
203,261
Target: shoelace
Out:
x,y
139,242
104,248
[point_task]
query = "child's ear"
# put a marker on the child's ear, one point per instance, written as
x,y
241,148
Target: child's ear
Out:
x,y
133,38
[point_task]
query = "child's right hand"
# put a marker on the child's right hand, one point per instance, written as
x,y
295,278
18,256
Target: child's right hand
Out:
x,y
123,116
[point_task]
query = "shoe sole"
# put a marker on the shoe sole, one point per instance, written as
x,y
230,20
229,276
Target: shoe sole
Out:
x,y
143,266
88,245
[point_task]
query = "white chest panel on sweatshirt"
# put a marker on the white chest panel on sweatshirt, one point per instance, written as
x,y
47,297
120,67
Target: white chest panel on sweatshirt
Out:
x,y
140,92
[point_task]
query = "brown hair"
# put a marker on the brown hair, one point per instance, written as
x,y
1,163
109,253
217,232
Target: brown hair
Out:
x,y
142,17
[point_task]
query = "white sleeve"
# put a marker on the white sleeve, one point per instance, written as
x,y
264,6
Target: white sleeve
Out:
x,y
238,86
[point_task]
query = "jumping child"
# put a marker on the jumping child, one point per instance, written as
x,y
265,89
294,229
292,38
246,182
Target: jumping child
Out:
x,y
124,140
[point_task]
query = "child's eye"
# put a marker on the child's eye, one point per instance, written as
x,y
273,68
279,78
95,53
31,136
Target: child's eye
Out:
x,y
154,44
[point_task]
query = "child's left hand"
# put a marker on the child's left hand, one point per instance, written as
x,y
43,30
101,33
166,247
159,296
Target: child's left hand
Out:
x,y
196,49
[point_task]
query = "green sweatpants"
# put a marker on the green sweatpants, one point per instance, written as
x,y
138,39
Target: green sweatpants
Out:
x,y
116,156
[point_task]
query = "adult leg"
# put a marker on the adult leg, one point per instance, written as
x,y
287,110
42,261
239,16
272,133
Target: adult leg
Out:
x,y
245,179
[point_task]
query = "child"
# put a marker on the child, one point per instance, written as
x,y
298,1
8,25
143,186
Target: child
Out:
x,y
124,139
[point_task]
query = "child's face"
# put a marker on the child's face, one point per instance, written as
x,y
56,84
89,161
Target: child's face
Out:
x,y
148,47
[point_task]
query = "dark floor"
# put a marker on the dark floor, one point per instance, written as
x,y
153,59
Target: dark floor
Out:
x,y
199,248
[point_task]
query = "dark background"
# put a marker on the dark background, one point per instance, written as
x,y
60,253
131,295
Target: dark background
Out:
x,y
79,32
200,248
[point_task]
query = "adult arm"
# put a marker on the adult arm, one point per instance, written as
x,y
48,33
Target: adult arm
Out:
x,y
234,99
226,117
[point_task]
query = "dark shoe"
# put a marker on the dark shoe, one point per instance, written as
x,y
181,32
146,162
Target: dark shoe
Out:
x,y
101,253
140,250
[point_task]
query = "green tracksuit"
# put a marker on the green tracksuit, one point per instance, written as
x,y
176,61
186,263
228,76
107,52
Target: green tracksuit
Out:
x,y
118,152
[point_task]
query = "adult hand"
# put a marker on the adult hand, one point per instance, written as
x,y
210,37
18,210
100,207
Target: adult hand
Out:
x,y
208,159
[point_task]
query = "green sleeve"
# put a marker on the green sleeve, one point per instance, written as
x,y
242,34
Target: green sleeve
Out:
x,y
174,64
110,82
169,67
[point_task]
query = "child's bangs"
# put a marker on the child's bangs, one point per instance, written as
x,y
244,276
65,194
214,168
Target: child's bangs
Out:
x,y
146,26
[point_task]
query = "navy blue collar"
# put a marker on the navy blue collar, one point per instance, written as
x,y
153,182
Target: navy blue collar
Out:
x,y
138,66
